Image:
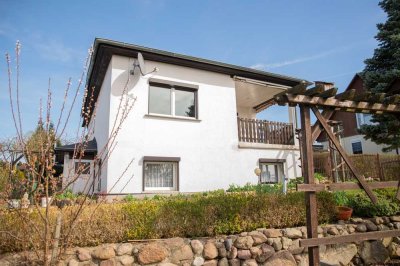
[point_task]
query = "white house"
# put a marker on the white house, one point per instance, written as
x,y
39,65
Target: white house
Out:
x,y
193,126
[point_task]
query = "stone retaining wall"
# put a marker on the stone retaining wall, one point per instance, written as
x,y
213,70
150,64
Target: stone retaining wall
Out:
x,y
259,247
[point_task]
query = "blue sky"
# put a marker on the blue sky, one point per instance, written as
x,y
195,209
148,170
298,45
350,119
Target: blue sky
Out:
x,y
313,40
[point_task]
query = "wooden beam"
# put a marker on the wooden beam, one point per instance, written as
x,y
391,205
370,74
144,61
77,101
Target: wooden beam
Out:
x,y
307,167
345,105
298,89
358,237
342,153
362,97
328,93
377,97
317,128
394,99
345,186
346,95
264,105
315,90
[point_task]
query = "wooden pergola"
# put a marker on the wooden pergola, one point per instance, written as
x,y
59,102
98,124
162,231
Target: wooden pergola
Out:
x,y
324,103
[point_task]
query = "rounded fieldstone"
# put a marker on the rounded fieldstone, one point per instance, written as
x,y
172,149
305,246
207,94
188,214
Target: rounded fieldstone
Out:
x,y
223,262
361,228
333,231
250,262
228,244
371,226
103,253
210,251
258,237
244,254
83,254
255,251
232,253
281,258
266,252
124,249
73,263
210,263
126,260
222,252
277,244
292,233
373,252
198,261
182,253
245,242
197,246
395,218
110,262
286,242
272,233
152,253
234,262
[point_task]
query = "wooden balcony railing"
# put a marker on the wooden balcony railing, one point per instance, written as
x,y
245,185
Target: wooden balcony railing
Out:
x,y
263,131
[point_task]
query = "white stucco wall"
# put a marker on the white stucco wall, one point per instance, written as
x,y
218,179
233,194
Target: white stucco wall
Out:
x,y
368,146
208,147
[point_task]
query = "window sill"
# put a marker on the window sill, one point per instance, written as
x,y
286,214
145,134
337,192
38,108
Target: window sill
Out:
x,y
170,117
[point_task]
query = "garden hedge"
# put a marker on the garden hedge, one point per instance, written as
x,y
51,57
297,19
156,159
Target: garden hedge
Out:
x,y
185,216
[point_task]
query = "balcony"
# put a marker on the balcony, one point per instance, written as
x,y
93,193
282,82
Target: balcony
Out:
x,y
265,132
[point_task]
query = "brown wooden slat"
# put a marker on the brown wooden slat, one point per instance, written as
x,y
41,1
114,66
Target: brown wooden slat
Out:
x,y
345,186
337,104
328,93
315,90
358,237
317,128
363,97
347,95
308,173
344,155
394,99
298,89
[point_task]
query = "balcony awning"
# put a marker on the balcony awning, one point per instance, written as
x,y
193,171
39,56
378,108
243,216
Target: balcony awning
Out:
x,y
251,93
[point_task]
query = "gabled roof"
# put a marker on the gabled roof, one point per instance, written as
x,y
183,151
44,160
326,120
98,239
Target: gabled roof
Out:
x,y
104,49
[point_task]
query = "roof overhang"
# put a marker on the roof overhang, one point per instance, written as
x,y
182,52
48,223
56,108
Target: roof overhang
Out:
x,y
104,49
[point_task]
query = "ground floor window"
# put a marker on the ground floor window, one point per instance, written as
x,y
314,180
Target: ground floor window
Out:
x,y
357,147
83,167
271,171
160,173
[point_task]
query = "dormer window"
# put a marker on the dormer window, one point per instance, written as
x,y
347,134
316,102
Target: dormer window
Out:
x,y
172,100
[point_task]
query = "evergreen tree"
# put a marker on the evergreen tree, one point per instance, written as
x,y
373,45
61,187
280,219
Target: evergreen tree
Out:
x,y
380,71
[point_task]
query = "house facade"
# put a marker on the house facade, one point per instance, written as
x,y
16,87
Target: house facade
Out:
x,y
352,141
192,128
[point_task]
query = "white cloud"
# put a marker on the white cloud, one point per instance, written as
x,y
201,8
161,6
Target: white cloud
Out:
x,y
264,66
56,50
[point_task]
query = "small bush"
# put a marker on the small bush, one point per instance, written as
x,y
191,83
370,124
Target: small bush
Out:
x,y
259,188
362,205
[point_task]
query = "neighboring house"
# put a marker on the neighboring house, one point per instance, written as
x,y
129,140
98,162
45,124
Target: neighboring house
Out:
x,y
193,126
352,141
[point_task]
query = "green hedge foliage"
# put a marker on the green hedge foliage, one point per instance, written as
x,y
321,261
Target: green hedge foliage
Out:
x,y
203,214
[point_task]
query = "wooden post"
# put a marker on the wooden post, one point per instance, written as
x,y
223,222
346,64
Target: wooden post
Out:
x,y
380,170
308,173
346,158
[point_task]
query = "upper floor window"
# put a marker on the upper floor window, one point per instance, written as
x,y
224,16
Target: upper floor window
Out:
x,y
363,119
172,100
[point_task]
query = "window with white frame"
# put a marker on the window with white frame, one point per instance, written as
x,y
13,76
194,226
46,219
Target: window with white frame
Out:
x,y
363,119
271,172
160,173
357,147
172,100
83,167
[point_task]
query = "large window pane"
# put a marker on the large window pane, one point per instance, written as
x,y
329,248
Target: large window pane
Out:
x,y
160,100
159,175
271,173
185,103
